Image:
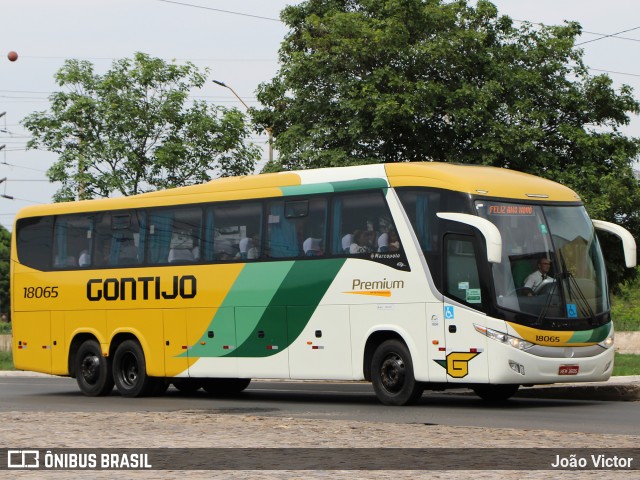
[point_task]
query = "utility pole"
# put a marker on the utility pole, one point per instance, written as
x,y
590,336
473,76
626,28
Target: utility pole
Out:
x,y
4,130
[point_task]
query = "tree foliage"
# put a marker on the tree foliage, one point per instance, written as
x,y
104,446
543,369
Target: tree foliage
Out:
x,y
134,129
366,81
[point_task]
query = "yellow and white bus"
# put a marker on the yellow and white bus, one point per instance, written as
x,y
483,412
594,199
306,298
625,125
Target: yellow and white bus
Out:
x,y
411,276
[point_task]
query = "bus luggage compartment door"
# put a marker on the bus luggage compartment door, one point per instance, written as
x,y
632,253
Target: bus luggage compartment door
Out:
x,y
32,341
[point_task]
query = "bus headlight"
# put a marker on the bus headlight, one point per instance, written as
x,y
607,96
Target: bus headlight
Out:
x,y
515,342
607,342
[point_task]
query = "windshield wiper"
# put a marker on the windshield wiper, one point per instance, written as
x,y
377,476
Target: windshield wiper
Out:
x,y
581,301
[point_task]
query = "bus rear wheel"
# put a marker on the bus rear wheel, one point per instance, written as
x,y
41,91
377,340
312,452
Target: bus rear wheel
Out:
x,y
225,386
93,370
392,374
495,393
130,371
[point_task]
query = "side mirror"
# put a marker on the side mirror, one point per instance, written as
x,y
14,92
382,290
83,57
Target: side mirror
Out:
x,y
628,242
489,231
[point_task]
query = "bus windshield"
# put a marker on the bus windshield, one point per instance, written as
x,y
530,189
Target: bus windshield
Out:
x,y
552,268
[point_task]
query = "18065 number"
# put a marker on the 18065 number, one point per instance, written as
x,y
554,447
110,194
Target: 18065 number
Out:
x,y
40,292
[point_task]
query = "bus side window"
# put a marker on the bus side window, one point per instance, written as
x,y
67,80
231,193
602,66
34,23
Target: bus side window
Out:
x,y
461,271
184,245
34,241
72,241
118,238
362,224
297,228
232,232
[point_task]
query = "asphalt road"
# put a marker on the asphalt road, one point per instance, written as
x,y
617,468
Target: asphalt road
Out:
x,y
347,401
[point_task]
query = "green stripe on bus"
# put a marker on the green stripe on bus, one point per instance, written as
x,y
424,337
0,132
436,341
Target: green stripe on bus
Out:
x,y
360,184
591,336
290,309
341,186
267,308
307,189
242,309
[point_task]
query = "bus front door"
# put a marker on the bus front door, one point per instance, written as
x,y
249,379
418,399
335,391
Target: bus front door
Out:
x,y
466,359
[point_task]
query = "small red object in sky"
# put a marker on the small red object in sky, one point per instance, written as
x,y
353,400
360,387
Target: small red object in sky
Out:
x,y
12,56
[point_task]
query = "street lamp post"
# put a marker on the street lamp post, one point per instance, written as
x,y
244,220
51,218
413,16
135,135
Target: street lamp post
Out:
x,y
268,129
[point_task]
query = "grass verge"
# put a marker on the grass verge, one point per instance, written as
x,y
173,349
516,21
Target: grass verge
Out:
x,y
625,307
626,364
6,361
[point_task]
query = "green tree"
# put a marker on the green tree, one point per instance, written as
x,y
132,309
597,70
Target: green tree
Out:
x,y
134,129
366,81
5,249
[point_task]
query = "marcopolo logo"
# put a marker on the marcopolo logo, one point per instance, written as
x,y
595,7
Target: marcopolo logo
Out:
x,y
379,288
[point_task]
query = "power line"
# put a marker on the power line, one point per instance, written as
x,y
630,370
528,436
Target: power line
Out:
x,y
613,36
602,35
26,200
221,11
617,73
606,36
27,180
20,166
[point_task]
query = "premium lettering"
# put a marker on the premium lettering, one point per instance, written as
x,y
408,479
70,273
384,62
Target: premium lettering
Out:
x,y
383,284
143,288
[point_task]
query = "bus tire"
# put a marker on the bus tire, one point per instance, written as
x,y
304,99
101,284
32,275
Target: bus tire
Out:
x,y
187,385
495,393
93,370
225,386
130,370
158,386
392,374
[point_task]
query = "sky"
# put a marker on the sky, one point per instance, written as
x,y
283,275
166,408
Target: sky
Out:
x,y
237,40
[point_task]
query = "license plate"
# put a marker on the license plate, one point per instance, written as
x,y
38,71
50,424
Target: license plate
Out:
x,y
568,369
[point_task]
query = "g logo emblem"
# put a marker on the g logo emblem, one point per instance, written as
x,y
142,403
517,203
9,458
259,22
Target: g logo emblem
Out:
x,y
457,363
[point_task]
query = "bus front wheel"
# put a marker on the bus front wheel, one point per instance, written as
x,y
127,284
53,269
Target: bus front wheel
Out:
x,y
130,370
495,393
93,370
392,374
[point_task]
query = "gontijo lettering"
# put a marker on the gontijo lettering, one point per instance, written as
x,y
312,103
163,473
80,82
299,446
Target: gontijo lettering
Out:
x,y
145,288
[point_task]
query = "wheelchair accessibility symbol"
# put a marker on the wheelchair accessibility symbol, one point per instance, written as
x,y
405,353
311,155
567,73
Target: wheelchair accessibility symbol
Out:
x,y
448,312
572,310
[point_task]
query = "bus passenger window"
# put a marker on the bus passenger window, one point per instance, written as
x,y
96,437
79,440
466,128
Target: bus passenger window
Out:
x,y
296,228
174,235
362,224
34,241
72,241
232,232
462,277
118,240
